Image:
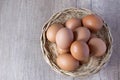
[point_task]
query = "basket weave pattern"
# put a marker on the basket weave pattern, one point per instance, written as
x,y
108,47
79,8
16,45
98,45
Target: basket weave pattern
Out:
x,y
49,49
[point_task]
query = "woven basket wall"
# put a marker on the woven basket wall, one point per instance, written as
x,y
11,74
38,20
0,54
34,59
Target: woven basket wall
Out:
x,y
49,49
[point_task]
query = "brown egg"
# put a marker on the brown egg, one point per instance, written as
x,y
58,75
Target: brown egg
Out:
x,y
97,46
64,38
52,30
81,33
67,62
73,23
93,22
62,51
80,50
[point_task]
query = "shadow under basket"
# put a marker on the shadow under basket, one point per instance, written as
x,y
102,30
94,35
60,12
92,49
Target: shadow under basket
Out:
x,y
49,49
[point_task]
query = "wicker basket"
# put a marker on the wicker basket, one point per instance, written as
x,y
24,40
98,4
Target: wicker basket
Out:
x,y
50,52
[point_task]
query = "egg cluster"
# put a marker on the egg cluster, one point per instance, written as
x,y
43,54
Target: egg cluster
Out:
x,y
76,40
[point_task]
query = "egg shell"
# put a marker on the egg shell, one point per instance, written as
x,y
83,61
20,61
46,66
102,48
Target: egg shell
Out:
x,y
64,38
93,22
97,47
52,31
62,51
81,33
67,62
80,50
73,23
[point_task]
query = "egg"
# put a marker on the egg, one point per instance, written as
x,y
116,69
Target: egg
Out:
x,y
52,30
64,38
81,33
97,47
67,62
62,51
80,50
93,22
73,23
